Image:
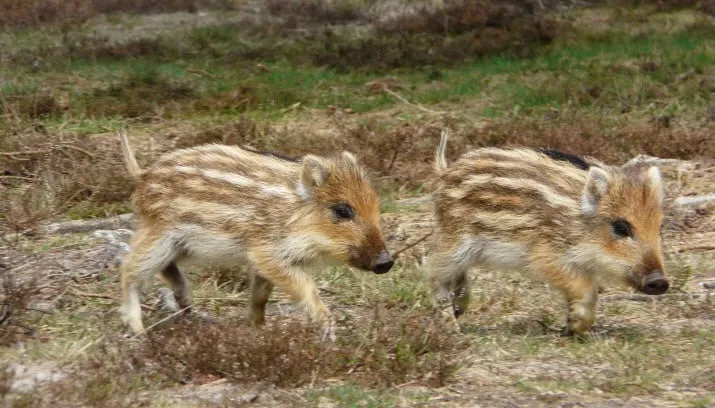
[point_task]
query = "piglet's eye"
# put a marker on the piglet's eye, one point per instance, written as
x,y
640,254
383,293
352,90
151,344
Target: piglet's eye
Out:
x,y
344,211
622,228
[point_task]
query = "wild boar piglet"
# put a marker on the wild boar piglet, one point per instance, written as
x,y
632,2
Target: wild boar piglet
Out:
x,y
572,221
227,206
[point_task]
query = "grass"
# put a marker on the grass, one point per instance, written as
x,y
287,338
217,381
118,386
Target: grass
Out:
x,y
599,73
611,81
348,395
604,75
388,336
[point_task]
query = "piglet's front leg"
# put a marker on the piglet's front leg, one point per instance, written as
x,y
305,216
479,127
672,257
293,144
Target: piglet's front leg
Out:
x,y
302,289
582,295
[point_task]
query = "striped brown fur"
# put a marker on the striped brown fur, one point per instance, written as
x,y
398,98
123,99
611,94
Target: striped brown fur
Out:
x,y
228,206
569,220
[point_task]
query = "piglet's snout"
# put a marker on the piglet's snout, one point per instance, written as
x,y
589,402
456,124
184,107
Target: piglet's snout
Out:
x,y
384,263
655,283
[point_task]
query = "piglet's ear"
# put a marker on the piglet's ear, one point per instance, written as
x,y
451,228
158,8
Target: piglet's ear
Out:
x,y
349,157
315,171
597,184
656,181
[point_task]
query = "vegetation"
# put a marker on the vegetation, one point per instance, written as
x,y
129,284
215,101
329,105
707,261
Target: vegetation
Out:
x,y
613,79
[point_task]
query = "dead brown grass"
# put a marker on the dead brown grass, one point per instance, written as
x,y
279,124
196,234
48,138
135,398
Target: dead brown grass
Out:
x,y
15,312
317,10
707,6
46,174
404,154
139,95
30,13
413,347
442,36
85,177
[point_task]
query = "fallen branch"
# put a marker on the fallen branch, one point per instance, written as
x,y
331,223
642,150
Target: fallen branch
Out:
x,y
696,248
394,256
645,159
16,178
26,152
692,201
72,227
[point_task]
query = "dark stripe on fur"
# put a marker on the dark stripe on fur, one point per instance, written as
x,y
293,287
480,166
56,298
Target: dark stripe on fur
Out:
x,y
567,157
272,154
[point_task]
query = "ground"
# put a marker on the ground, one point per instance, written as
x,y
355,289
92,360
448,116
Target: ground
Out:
x,y
382,79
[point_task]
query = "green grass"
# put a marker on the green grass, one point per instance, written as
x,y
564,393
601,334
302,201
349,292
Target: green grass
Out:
x,y
348,395
590,74
204,83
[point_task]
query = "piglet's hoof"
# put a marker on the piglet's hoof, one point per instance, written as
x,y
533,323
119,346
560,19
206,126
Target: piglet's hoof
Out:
x,y
328,332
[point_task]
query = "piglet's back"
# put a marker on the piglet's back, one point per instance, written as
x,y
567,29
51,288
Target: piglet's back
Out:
x,y
512,193
217,181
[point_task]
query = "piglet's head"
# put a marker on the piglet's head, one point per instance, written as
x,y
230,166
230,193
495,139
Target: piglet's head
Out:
x,y
345,212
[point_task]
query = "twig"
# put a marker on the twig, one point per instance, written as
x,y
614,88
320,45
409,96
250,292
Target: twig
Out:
x,y
406,384
25,152
407,202
75,226
394,155
16,158
171,316
103,296
228,299
394,256
199,72
418,106
696,248
90,344
93,295
35,309
212,383
17,178
693,201
79,149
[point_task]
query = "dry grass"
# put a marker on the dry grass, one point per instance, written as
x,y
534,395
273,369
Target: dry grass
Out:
x,y
84,176
707,6
388,336
333,12
404,154
36,12
590,93
434,36
78,175
413,347
302,31
16,315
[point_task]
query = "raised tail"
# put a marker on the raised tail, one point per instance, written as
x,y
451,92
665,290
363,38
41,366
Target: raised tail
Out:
x,y
129,160
440,162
